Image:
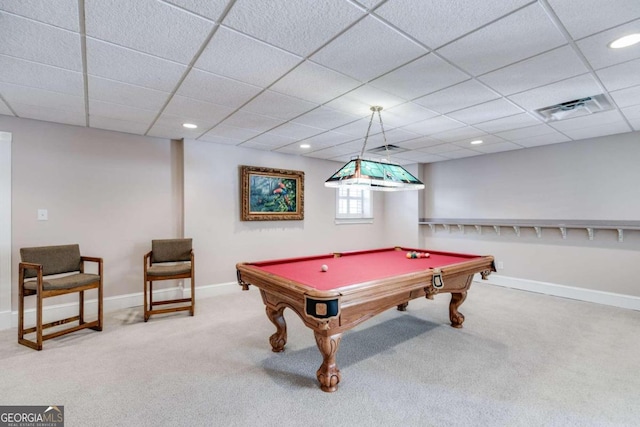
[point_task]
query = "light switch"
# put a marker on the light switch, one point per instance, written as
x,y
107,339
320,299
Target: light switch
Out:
x,y
43,215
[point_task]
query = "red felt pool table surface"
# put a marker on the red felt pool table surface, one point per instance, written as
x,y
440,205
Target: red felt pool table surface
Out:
x,y
352,268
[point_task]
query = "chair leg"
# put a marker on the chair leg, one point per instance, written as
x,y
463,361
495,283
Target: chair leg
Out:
x,y
81,306
20,313
193,296
100,305
39,322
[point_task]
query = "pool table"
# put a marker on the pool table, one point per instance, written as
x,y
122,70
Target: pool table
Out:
x,y
356,286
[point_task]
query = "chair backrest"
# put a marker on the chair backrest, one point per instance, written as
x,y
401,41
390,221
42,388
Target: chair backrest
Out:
x,y
171,250
54,259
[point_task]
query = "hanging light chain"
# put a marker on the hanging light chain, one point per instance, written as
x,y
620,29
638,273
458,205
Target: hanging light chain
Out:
x,y
366,137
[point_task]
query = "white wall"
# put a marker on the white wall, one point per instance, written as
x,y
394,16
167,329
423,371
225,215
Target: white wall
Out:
x,y
590,179
5,229
108,191
221,239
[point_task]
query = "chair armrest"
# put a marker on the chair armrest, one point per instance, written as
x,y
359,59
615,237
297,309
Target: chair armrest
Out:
x,y
147,261
30,265
91,259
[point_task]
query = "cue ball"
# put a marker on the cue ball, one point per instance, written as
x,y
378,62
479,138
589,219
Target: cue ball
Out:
x,y
324,267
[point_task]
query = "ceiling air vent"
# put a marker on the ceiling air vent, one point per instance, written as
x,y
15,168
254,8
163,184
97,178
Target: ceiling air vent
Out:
x,y
577,107
383,149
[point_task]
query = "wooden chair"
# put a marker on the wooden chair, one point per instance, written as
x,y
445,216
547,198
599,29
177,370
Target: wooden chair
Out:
x,y
169,259
38,263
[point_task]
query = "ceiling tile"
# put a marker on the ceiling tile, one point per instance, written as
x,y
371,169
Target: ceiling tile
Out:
x,y
315,83
507,123
438,149
491,110
237,134
530,32
211,9
627,97
597,119
325,118
204,114
327,139
418,143
597,51
598,130
435,74
405,114
259,64
498,147
632,112
295,131
584,17
621,76
168,32
31,74
356,54
287,106
14,94
170,127
359,101
464,133
271,140
460,154
128,66
216,89
419,157
547,139
457,97
356,129
433,125
4,109
293,149
60,13
549,67
68,117
219,139
256,122
300,26
34,41
556,93
109,123
423,19
486,140
122,93
527,132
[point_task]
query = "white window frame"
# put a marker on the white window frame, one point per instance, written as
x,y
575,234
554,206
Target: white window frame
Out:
x,y
354,206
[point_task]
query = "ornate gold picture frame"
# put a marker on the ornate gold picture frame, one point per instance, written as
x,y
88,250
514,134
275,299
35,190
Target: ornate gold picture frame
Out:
x,y
271,194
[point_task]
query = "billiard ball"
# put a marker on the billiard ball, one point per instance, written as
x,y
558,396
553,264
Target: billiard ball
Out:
x,y
324,267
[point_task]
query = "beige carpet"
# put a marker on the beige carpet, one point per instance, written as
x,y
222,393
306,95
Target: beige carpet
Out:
x,y
522,359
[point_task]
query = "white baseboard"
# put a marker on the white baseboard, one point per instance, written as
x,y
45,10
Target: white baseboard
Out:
x,y
110,304
588,295
5,320
52,312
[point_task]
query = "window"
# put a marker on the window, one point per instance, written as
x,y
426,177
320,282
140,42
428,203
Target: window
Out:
x,y
353,205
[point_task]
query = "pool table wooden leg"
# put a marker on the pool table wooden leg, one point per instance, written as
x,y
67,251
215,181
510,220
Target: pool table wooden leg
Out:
x,y
328,374
279,339
455,316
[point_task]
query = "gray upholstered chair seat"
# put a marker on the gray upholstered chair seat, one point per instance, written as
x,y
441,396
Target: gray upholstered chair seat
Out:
x,y
169,270
169,259
66,282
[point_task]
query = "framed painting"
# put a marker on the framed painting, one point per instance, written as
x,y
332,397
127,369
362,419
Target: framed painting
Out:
x,y
271,194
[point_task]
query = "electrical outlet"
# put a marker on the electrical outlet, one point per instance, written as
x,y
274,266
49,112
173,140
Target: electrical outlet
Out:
x,y
43,215
500,265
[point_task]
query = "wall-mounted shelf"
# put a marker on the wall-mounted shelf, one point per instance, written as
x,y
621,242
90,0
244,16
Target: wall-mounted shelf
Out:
x,y
537,225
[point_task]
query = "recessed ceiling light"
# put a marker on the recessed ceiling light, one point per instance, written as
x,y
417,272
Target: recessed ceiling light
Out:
x,y
189,125
305,146
628,40
476,142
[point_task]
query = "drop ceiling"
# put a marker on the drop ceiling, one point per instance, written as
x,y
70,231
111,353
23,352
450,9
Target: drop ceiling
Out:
x,y
270,75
